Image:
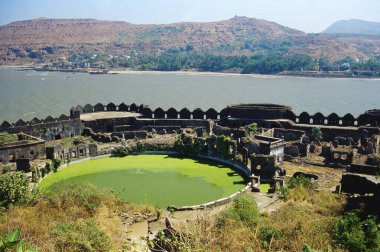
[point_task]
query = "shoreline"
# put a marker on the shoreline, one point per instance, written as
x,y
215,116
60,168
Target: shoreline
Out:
x,y
194,72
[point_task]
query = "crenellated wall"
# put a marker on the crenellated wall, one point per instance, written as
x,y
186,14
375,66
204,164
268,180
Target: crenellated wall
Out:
x,y
63,126
49,128
244,111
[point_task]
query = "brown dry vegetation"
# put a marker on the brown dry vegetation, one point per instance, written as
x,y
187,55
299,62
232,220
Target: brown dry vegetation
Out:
x,y
85,220
55,38
306,218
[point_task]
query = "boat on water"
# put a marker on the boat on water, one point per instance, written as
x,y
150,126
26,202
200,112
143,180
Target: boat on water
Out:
x,y
99,72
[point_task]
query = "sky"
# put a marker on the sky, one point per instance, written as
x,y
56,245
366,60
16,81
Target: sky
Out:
x,y
304,15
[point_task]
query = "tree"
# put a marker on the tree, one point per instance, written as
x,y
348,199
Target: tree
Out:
x,y
317,134
353,234
251,129
14,189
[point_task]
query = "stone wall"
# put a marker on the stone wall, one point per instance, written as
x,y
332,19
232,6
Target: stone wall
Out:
x,y
48,129
22,149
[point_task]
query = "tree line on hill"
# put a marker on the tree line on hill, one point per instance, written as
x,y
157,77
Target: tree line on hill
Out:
x,y
184,59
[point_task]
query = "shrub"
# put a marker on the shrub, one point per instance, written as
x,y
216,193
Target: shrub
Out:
x,y
14,189
56,164
266,234
300,181
80,237
187,146
351,233
35,174
83,195
283,193
244,209
317,134
119,152
47,168
251,129
6,168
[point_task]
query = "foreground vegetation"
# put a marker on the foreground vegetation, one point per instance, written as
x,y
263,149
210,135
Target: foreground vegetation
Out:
x,y
76,217
80,217
310,221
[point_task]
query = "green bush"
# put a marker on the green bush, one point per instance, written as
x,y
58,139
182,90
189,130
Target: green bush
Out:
x,y
317,134
6,168
80,237
283,193
14,189
252,128
266,234
187,146
244,209
56,164
355,235
47,168
119,152
300,181
83,195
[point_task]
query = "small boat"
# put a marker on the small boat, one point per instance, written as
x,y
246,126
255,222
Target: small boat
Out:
x,y
99,72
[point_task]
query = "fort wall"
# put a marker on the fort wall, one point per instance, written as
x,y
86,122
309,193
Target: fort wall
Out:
x,y
277,115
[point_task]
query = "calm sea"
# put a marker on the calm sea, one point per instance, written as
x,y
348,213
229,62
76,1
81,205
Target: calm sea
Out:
x,y
38,94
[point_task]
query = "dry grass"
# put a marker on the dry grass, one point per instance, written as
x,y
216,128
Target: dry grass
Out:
x,y
300,222
49,212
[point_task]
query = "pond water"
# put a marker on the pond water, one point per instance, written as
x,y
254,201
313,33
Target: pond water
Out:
x,y
154,179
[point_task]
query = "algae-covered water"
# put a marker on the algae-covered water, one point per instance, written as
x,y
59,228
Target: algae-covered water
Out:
x,y
159,180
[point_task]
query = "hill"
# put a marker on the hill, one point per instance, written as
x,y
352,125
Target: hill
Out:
x,y
45,40
354,26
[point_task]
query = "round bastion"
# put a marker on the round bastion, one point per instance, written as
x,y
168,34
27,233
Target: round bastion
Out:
x,y
259,111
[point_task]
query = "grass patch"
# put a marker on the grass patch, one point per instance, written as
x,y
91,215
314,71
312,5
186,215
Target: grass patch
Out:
x,y
5,138
264,187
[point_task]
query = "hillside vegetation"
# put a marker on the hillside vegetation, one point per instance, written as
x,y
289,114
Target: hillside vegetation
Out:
x,y
44,40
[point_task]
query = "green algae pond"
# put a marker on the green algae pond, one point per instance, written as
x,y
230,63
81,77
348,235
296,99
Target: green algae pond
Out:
x,y
159,180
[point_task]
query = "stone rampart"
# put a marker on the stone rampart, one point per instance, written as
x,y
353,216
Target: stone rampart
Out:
x,y
64,126
48,129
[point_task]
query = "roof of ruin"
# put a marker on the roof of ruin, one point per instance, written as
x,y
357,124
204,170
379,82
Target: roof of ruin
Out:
x,y
107,115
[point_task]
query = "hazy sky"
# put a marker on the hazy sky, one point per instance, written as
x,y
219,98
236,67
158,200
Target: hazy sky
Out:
x,y
305,15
